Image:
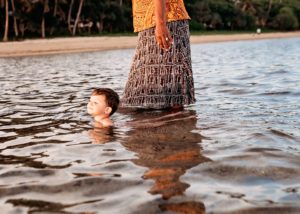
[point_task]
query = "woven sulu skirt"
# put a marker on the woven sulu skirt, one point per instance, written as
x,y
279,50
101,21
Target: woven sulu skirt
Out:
x,y
161,79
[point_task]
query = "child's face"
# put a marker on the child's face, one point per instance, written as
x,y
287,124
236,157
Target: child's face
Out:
x,y
97,106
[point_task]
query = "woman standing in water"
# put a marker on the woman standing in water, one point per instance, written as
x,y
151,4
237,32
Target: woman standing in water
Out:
x,y
161,72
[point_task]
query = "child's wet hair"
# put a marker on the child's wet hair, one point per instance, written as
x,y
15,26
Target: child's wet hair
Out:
x,y
111,97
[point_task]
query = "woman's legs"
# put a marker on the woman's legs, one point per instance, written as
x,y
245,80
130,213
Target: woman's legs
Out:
x,y
161,79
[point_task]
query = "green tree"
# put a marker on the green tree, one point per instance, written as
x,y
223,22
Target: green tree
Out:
x,y
286,20
77,17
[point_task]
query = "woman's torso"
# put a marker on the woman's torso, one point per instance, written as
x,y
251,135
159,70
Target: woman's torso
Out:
x,y
143,13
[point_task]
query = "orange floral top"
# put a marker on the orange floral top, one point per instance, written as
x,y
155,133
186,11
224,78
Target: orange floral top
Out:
x,y
144,17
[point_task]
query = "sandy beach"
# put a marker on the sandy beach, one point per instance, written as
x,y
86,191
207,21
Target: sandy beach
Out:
x,y
88,44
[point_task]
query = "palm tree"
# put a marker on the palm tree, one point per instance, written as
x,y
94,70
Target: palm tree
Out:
x,y
269,7
15,19
247,6
45,10
5,37
59,15
267,14
77,17
55,8
70,15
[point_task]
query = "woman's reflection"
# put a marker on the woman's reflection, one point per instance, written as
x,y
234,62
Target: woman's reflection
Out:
x,y
166,144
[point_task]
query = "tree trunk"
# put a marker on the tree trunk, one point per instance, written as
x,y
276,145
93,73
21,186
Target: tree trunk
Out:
x,y
77,17
121,2
55,8
270,7
46,10
70,15
101,23
43,27
15,19
5,37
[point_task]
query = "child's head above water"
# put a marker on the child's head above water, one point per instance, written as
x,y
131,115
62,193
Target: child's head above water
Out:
x,y
102,104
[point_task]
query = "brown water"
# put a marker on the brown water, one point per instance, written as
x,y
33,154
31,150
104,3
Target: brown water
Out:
x,y
235,151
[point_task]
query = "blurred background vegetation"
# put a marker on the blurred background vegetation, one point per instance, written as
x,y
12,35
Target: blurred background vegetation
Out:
x,y
21,19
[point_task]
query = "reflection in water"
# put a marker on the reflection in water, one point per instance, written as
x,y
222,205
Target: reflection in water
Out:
x,y
102,135
166,145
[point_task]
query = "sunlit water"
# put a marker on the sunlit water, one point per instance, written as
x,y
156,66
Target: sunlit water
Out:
x,y
237,150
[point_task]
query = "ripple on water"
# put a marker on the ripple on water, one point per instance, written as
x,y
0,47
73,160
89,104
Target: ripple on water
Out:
x,y
235,151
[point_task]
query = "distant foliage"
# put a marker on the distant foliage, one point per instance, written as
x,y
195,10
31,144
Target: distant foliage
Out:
x,y
21,19
286,20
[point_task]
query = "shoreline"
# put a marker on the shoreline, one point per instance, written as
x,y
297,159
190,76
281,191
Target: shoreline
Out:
x,y
40,47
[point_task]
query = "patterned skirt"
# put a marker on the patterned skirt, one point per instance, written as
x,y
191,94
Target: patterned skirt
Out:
x,y
161,79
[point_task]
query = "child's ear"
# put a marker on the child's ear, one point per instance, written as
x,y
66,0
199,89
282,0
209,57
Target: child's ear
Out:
x,y
108,110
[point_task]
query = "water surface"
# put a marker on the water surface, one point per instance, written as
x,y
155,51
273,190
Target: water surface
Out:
x,y
235,151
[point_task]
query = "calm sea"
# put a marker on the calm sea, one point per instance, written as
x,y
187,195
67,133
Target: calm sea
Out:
x,y
237,150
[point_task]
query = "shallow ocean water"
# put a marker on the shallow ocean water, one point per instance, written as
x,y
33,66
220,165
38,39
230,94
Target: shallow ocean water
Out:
x,y
237,150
